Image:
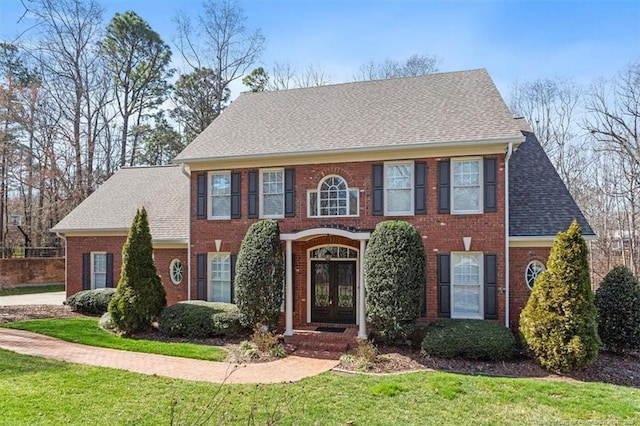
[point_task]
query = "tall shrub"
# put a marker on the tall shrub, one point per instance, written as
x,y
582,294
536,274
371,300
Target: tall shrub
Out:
x,y
618,303
260,275
140,296
558,324
395,279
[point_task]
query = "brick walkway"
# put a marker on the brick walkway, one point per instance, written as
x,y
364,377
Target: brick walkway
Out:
x,y
289,369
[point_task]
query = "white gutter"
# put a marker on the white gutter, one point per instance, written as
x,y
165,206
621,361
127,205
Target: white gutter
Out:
x,y
59,235
506,233
188,175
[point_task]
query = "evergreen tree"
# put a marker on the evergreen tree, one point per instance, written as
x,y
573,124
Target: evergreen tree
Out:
x,y
140,295
395,279
260,275
559,322
618,303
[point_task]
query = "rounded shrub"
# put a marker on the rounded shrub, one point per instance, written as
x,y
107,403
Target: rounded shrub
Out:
x,y
559,322
618,304
260,275
140,296
91,302
468,339
395,279
199,319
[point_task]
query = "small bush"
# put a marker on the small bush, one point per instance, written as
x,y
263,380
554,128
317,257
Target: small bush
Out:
x,y
395,280
200,319
618,303
264,339
106,323
91,302
468,339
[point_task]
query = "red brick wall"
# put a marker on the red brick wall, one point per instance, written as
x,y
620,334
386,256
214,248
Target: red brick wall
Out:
x,y
18,271
440,232
519,292
76,246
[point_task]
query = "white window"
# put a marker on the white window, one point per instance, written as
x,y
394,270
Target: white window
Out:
x,y
219,278
98,270
333,198
176,271
220,195
398,186
534,268
466,188
466,281
272,193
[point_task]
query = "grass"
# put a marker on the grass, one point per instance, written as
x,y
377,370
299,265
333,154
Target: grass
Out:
x,y
15,291
40,391
85,331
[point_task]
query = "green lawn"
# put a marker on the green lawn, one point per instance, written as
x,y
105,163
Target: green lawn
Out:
x,y
15,291
86,331
40,391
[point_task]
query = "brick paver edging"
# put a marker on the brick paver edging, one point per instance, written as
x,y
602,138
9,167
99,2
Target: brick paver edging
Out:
x,y
290,369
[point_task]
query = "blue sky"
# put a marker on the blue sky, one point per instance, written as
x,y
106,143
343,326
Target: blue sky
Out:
x,y
514,40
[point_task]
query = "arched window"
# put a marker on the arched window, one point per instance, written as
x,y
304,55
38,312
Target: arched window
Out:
x,y
534,268
333,198
176,271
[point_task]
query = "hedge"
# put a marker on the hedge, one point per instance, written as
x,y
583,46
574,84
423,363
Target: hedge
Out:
x,y
468,339
200,319
91,302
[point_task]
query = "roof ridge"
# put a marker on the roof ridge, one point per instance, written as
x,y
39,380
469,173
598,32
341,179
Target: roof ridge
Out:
x,y
362,82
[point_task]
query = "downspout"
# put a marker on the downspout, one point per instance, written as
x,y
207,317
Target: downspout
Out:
x,y
62,237
188,175
506,233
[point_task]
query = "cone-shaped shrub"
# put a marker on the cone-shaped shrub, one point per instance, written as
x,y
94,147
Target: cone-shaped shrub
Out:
x,y
618,303
395,279
558,324
260,275
140,296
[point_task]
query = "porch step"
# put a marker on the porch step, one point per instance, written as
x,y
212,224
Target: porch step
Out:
x,y
317,344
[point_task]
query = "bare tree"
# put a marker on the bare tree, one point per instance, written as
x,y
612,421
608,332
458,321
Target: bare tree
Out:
x,y
415,65
220,41
313,76
614,123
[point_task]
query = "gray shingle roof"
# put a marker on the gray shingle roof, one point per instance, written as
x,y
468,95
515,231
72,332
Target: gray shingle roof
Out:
x,y
539,202
437,108
162,191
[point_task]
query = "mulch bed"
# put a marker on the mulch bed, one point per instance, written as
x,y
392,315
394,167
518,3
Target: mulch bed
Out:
x,y
608,368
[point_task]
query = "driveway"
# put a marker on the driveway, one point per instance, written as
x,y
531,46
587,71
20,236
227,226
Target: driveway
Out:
x,y
54,298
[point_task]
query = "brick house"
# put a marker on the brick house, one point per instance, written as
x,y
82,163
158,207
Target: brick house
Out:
x,y
442,152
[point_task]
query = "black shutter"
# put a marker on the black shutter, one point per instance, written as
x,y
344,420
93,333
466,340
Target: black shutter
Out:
x,y
201,276
86,271
423,309
289,193
377,180
444,192
490,287
234,259
109,277
490,185
420,190
444,286
253,194
201,204
235,195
